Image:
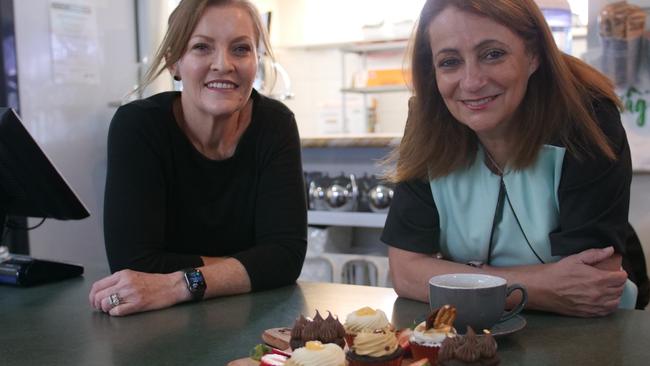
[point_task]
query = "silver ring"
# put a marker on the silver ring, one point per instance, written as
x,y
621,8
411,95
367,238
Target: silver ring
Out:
x,y
114,299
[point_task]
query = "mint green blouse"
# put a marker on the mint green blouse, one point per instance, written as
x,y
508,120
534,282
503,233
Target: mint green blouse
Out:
x,y
467,205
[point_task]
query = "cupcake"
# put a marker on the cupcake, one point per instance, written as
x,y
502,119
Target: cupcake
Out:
x,y
364,319
328,330
378,348
317,353
469,350
428,336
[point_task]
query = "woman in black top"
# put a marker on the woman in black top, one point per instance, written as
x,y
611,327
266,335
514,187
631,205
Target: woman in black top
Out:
x,y
204,190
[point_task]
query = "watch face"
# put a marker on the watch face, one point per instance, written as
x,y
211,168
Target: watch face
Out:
x,y
195,283
195,279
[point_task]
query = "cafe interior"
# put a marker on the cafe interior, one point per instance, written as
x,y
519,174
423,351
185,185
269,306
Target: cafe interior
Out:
x,y
342,67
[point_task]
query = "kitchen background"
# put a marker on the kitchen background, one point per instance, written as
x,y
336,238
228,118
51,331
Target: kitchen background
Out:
x,y
68,94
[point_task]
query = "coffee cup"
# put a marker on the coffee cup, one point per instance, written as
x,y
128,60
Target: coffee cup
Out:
x,y
479,299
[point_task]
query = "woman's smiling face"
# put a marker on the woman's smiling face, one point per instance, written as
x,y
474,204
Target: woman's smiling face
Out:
x,y
220,62
481,68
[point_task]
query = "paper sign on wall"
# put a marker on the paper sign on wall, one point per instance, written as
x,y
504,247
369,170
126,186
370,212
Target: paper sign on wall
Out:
x,y
74,42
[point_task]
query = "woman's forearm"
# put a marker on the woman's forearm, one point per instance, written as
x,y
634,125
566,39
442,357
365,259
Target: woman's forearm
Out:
x,y
411,272
224,276
227,276
412,280
572,286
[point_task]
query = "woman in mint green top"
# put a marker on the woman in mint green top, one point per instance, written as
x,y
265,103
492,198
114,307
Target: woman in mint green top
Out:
x,y
514,161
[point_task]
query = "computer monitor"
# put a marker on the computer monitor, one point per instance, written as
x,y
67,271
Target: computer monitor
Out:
x,y
30,185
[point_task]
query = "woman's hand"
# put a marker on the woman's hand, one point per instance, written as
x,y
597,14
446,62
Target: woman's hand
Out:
x,y
138,292
586,284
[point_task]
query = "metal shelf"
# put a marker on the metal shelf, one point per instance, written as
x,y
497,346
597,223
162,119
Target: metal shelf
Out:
x,y
376,89
363,51
365,47
354,219
360,46
374,139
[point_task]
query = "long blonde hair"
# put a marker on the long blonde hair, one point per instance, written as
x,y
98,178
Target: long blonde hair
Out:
x,y
180,26
436,144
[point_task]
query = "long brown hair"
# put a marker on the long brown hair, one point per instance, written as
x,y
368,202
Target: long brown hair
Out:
x,y
557,104
180,26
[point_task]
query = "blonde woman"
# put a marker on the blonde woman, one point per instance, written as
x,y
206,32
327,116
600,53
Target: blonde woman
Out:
x,y
204,188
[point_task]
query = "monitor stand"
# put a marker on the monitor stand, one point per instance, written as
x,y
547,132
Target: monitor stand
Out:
x,y
23,270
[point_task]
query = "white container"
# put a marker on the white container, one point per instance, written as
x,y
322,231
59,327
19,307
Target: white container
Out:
x,y
330,116
330,120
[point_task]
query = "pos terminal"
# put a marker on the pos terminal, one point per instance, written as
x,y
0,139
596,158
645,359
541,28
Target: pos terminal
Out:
x,y
31,186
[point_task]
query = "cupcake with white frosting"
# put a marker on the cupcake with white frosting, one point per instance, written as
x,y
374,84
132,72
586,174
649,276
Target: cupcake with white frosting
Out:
x,y
364,319
314,353
378,348
427,337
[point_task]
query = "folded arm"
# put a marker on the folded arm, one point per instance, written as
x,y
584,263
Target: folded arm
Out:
x,y
573,286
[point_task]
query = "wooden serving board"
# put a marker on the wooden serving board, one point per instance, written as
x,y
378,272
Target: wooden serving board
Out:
x,y
250,362
279,338
244,362
275,337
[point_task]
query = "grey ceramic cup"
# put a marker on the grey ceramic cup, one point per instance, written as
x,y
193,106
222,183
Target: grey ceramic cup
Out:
x,y
479,299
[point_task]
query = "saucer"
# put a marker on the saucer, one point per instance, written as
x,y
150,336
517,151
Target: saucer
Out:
x,y
509,326
503,328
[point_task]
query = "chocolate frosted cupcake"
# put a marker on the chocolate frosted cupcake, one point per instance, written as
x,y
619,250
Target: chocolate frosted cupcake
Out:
x,y
469,350
328,330
377,348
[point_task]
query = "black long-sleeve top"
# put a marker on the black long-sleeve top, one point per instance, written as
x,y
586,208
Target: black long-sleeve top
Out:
x,y
166,204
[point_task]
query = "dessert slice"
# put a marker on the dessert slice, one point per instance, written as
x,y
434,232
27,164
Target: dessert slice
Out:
x,y
277,337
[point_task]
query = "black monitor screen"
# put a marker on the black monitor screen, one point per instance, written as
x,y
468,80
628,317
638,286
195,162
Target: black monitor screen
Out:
x,y
30,185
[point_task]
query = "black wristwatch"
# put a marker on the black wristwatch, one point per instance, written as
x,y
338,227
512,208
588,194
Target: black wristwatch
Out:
x,y
195,283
